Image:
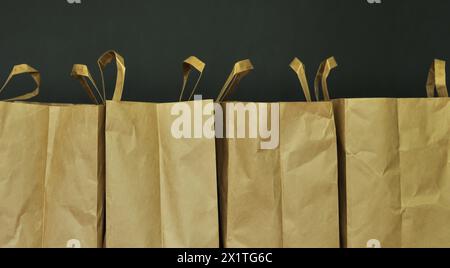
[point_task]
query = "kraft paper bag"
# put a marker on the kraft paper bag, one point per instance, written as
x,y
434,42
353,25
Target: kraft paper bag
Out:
x,y
51,172
395,169
161,190
287,195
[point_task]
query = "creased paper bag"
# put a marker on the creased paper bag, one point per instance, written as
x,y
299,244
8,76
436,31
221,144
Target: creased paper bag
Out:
x,y
286,195
395,169
51,172
161,190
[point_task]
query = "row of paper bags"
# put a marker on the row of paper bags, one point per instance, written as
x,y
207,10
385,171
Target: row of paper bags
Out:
x,y
113,174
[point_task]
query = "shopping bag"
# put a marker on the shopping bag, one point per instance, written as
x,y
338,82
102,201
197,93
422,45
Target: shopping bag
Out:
x,y
161,189
51,172
395,168
284,195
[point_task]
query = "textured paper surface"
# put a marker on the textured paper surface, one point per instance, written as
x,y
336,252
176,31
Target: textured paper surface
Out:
x,y
395,171
161,191
286,197
51,175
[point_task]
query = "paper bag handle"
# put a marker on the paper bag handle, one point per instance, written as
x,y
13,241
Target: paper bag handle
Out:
x,y
24,69
189,64
106,59
82,74
322,75
437,80
299,68
240,70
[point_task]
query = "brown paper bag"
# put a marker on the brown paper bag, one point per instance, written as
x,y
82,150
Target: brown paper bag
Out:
x,y
395,168
160,191
51,172
286,196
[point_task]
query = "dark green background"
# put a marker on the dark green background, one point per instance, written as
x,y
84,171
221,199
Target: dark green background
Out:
x,y
383,50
